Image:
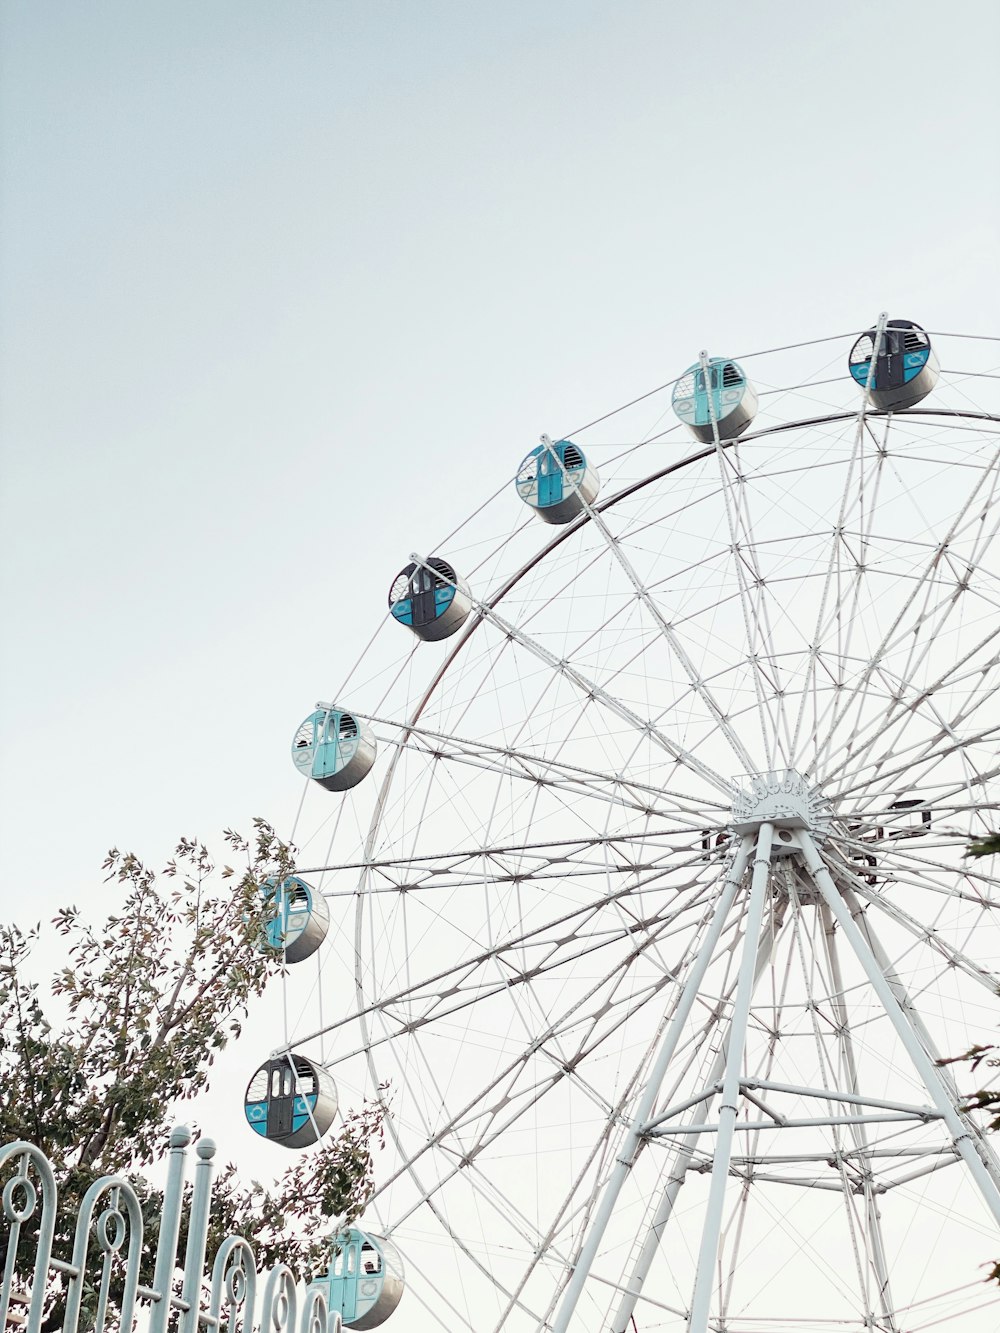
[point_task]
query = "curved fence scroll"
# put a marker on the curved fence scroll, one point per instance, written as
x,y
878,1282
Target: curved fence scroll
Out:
x,y
100,1285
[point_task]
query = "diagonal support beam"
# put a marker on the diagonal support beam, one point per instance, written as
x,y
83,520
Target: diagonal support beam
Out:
x,y
634,1136
875,1239
686,1151
666,629
729,1109
960,1131
589,687
867,930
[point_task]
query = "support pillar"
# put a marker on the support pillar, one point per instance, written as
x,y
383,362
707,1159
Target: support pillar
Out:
x,y
633,1138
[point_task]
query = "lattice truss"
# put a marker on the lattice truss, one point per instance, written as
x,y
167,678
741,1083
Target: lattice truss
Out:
x,y
539,890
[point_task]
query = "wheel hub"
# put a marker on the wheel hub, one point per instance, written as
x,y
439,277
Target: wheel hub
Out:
x,y
781,797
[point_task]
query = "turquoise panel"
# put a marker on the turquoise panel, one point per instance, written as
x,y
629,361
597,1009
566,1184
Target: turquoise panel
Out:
x,y
403,609
276,931
256,1114
343,1289
706,401
913,364
551,477
330,755
301,1109
550,480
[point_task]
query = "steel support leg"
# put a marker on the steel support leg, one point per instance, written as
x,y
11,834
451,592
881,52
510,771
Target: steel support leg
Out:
x,y
685,1156
712,1227
633,1138
864,924
960,1131
860,1134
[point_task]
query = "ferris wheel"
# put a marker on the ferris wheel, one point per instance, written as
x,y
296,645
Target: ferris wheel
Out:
x,y
642,828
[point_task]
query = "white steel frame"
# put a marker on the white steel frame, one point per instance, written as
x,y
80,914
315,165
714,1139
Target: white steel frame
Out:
x,y
763,886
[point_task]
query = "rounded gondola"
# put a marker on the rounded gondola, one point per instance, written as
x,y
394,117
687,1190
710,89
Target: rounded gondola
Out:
x,y
804,604
433,602
334,748
291,1101
906,368
364,1282
557,481
299,918
727,402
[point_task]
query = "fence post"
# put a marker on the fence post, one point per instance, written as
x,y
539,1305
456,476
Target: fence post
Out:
x,y
19,1213
194,1255
170,1225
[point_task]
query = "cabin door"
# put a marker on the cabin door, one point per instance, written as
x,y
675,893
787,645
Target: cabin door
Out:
x,y
352,1276
422,595
550,479
280,1099
890,360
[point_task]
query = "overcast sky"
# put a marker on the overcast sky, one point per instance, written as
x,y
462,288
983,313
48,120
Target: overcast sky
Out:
x,y
288,289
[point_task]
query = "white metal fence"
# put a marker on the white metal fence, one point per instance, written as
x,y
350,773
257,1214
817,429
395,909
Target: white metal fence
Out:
x,y
184,1296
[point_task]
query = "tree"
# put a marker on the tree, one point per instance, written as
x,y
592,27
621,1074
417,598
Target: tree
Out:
x,y
987,846
983,1057
150,998
985,1099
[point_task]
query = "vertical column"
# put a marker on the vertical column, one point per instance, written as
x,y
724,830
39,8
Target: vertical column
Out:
x,y
698,1319
194,1255
170,1225
876,1243
685,1153
625,1158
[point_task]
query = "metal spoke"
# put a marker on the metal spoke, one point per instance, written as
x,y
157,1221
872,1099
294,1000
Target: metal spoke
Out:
x,y
558,950
593,691
668,631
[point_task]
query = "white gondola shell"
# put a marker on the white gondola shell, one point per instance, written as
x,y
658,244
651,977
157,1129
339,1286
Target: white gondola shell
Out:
x,y
906,368
557,481
334,748
727,402
291,1101
364,1282
431,601
299,918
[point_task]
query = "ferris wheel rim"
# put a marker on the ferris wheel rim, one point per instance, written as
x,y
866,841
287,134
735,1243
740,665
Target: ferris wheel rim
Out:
x,y
564,533
556,540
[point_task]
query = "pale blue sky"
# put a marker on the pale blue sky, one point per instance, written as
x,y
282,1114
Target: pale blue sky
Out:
x,y
289,288
285,284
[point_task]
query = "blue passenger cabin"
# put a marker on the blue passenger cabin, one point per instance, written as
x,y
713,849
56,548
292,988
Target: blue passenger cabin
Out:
x,y
291,1101
300,918
557,481
906,368
430,599
364,1282
333,748
716,396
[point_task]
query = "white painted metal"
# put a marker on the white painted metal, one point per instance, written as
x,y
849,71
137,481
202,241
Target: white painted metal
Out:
x,y
683,1158
536,874
666,629
591,689
698,1322
958,1126
107,1237
866,929
633,1140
